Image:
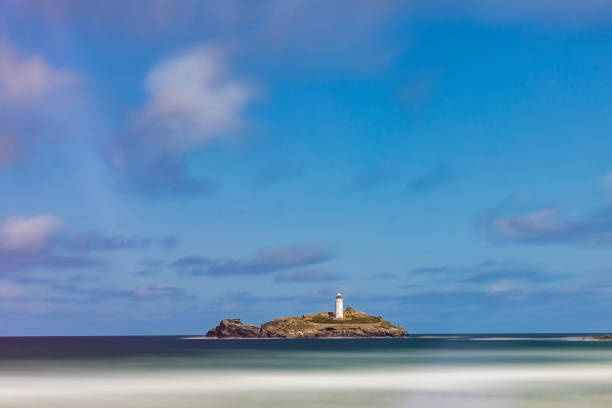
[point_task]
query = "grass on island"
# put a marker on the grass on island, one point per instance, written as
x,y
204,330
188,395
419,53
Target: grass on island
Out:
x,y
298,325
346,320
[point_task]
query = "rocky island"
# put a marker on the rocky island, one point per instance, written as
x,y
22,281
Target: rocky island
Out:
x,y
343,323
607,337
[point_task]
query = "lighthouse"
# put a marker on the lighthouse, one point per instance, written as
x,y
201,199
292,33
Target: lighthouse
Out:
x,y
339,307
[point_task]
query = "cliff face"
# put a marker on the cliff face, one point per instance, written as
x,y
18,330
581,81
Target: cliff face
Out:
x,y
290,328
234,328
354,324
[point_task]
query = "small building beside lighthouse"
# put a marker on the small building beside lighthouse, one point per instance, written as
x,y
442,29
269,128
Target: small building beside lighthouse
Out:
x,y
339,307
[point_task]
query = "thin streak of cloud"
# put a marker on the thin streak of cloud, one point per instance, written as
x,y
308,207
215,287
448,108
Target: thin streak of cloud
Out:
x,y
439,175
262,262
546,226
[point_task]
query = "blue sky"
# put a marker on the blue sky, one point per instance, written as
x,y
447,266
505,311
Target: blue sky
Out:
x,y
166,164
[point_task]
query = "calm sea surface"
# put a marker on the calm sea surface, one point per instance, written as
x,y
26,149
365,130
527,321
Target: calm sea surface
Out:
x,y
440,371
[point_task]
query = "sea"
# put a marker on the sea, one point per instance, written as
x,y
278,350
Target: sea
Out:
x,y
459,370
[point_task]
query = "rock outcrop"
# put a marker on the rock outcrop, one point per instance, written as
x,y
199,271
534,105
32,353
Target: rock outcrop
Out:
x,y
354,324
604,337
234,328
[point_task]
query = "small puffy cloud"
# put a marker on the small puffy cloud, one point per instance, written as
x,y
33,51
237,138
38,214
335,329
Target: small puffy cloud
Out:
x,y
27,80
307,275
19,233
9,291
33,96
193,100
501,287
262,262
548,226
533,226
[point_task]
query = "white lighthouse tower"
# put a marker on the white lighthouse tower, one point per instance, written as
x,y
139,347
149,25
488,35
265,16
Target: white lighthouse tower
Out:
x,y
339,307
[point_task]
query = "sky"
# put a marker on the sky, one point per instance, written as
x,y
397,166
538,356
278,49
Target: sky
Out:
x,y
168,164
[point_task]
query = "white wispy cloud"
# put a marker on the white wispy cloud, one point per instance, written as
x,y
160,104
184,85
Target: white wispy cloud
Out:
x,y
27,80
549,226
194,98
45,242
29,233
33,94
264,261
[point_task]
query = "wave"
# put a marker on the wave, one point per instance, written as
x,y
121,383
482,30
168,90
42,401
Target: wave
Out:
x,y
473,386
530,339
439,378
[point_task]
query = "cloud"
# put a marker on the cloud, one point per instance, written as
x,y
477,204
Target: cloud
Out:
x,y
193,99
95,241
152,263
28,80
270,28
154,292
147,272
262,262
486,278
151,267
484,273
142,293
438,176
162,175
33,94
9,291
492,271
15,262
307,275
42,242
19,233
547,226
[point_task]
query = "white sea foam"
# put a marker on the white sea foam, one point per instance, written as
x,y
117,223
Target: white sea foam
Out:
x,y
39,389
427,336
